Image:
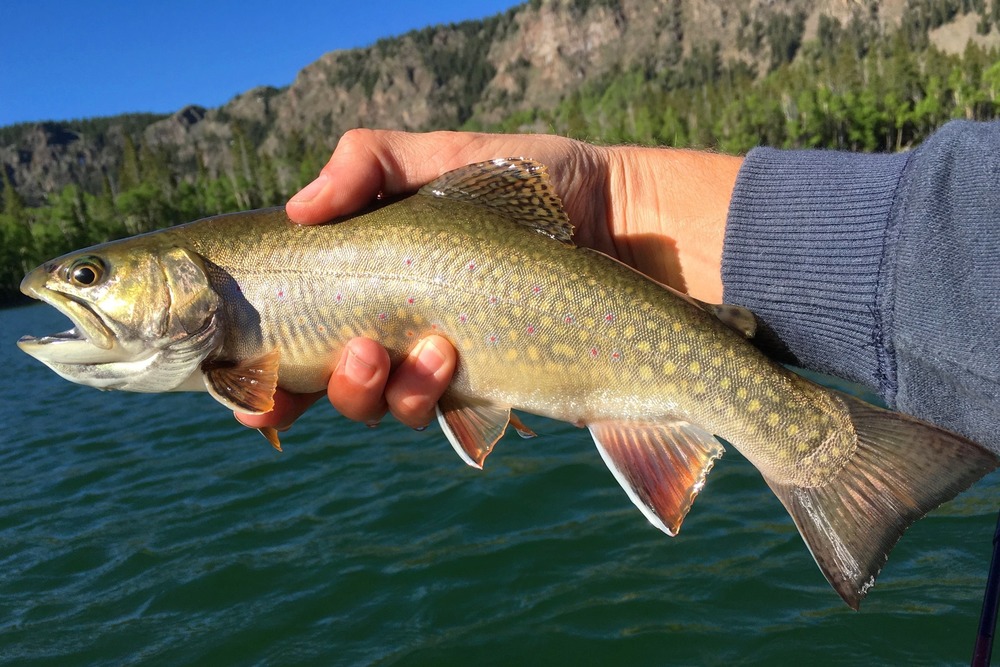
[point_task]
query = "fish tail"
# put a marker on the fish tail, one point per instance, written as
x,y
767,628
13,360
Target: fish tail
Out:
x,y
902,469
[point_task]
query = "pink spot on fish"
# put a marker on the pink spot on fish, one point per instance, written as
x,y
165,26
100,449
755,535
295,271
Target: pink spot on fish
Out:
x,y
471,266
616,356
463,318
493,339
383,316
530,330
493,301
610,317
536,289
410,300
339,297
594,352
568,319
408,261
281,295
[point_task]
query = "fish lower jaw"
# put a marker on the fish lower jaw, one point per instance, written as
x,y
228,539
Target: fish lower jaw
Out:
x,y
70,348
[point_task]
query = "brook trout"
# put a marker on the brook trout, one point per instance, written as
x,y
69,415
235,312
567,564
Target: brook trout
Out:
x,y
239,304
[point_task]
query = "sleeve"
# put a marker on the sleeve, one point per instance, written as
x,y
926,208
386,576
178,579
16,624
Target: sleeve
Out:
x,y
881,269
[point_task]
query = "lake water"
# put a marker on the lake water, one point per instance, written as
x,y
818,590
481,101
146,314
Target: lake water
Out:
x,y
155,530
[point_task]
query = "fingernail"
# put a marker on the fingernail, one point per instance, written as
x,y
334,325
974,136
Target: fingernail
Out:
x,y
428,357
357,369
372,424
421,428
311,191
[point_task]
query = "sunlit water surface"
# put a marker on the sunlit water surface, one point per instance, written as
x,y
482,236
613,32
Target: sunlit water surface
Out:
x,y
156,530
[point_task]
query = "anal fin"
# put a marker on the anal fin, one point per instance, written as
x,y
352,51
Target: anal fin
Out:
x,y
472,428
662,465
244,386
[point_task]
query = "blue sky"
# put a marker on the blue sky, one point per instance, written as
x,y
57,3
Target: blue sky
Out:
x,y
62,59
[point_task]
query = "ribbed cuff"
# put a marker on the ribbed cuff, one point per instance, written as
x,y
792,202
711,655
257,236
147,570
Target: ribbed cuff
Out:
x,y
804,249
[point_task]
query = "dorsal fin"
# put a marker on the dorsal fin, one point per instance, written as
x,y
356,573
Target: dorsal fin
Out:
x,y
519,189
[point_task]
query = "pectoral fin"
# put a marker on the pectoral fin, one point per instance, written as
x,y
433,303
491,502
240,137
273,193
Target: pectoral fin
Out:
x,y
662,466
472,428
244,386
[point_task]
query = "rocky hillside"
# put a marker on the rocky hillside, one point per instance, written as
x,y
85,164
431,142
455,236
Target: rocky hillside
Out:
x,y
473,74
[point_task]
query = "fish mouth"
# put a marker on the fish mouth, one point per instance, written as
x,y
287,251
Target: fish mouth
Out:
x,y
89,341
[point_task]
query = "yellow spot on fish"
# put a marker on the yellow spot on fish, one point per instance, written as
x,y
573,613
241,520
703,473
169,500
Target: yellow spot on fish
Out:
x,y
645,372
699,387
803,447
510,354
629,331
773,419
677,327
792,430
663,346
754,405
694,367
643,346
683,348
669,368
562,350
726,383
533,353
741,393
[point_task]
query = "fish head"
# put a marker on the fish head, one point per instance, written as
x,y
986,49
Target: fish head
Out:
x,y
144,315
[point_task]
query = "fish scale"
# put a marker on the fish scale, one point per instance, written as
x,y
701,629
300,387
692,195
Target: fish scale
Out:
x,y
484,256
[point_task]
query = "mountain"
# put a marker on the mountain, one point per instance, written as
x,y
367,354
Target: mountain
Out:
x,y
475,74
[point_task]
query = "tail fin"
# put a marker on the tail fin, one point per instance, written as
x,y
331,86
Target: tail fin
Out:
x,y
902,469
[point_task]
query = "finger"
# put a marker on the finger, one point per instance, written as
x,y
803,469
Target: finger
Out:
x,y
415,387
287,408
357,386
367,162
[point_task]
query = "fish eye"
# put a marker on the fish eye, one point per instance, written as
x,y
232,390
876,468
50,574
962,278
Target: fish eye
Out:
x,y
86,272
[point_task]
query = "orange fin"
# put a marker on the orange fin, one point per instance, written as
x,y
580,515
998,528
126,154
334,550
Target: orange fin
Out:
x,y
662,466
271,434
244,386
472,428
521,429
519,189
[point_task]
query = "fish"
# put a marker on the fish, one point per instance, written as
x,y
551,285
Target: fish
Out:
x,y
239,304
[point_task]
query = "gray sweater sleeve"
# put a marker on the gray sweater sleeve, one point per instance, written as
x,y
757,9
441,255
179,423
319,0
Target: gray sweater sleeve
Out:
x,y
881,269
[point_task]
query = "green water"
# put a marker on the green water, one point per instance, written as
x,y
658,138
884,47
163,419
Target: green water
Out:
x,y
155,530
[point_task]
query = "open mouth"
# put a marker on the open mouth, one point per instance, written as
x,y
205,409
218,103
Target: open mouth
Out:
x,y
88,342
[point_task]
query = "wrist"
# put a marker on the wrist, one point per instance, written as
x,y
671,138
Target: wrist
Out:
x,y
667,214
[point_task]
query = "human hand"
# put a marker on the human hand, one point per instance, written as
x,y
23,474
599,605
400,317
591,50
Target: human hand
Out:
x,y
661,211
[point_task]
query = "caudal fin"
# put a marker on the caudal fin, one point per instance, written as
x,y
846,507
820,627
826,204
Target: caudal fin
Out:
x,y
902,469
